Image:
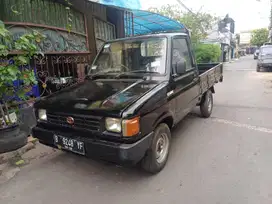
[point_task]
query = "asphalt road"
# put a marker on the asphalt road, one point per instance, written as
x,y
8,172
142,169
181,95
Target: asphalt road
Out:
x,y
226,159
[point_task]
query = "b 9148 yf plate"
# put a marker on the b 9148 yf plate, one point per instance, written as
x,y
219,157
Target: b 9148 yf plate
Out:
x,y
69,144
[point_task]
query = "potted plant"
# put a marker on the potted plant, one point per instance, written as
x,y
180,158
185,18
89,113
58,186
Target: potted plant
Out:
x,y
16,80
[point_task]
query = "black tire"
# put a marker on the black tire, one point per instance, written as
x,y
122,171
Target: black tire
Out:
x,y
206,105
151,163
12,139
258,69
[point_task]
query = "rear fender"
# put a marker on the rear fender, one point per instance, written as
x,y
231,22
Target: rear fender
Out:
x,y
203,95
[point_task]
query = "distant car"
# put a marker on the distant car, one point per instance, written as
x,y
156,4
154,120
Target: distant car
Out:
x,y
265,58
256,54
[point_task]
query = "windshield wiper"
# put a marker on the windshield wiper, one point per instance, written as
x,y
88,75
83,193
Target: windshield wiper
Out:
x,y
91,76
133,74
142,71
119,75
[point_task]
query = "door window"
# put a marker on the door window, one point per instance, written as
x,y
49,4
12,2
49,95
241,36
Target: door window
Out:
x,y
180,52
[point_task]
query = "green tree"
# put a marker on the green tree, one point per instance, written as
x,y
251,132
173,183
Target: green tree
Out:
x,y
206,53
259,36
15,56
199,23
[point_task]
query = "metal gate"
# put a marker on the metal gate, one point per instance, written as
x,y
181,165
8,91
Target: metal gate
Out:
x,y
104,31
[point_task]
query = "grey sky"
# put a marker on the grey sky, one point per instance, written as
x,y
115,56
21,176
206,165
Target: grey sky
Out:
x,y
248,14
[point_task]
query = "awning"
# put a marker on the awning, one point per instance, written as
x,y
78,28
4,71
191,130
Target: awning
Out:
x,y
145,22
129,4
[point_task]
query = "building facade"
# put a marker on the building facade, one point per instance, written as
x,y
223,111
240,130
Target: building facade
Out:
x,y
245,42
66,50
223,35
245,38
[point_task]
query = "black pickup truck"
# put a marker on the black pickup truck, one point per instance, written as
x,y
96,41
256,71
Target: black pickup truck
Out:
x,y
135,92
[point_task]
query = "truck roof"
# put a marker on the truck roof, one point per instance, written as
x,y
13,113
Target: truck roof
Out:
x,y
170,34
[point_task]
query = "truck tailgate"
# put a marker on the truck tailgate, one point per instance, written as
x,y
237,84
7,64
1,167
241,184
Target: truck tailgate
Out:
x,y
210,74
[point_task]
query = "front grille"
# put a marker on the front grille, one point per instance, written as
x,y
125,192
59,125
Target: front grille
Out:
x,y
90,123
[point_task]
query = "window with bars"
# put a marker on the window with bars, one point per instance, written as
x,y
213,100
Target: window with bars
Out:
x,y
104,31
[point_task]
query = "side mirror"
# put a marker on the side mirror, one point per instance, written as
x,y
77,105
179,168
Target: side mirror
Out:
x,y
181,67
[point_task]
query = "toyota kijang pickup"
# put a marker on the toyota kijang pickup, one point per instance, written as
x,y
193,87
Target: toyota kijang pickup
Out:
x,y
136,90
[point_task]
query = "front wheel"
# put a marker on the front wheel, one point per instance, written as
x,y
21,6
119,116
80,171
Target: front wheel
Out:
x,y
206,105
157,155
258,69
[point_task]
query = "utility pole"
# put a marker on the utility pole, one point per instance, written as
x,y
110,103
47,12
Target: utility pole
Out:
x,y
184,6
270,26
270,14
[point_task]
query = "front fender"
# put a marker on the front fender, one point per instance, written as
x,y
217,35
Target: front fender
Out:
x,y
166,117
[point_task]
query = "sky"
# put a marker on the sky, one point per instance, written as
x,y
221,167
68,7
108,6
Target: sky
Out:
x,y
248,14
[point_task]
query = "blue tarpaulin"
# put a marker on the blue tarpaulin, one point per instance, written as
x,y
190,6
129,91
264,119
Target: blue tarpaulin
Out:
x,y
145,22
130,4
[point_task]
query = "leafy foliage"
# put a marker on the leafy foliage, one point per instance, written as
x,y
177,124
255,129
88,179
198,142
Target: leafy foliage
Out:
x,y
206,53
259,36
15,67
199,24
69,15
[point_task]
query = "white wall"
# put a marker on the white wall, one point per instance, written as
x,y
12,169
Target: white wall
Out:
x,y
245,37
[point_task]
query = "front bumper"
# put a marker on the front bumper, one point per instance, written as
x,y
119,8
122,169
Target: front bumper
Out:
x,y
265,65
100,149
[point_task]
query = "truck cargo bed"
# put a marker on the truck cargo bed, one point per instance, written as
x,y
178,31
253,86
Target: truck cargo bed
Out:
x,y
210,74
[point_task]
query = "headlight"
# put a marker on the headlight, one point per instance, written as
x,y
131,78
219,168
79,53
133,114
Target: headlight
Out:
x,y
113,125
129,128
42,114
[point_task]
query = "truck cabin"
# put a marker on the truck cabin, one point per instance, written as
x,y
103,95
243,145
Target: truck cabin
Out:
x,y
149,55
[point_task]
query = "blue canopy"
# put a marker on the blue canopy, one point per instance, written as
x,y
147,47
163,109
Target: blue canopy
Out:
x,y
145,22
129,4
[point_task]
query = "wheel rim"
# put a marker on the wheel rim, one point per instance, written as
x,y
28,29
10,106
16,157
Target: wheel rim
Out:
x,y
210,103
162,147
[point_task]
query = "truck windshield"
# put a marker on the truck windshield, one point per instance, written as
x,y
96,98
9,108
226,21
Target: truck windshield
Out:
x,y
132,56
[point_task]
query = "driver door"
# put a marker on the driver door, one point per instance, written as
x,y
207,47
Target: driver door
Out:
x,y
185,88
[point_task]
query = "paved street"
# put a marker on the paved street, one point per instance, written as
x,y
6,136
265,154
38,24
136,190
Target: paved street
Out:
x,y
226,159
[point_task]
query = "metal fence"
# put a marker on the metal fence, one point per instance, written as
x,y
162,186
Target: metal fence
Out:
x,y
55,72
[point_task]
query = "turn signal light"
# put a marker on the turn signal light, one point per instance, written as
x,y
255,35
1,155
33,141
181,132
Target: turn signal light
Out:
x,y
131,127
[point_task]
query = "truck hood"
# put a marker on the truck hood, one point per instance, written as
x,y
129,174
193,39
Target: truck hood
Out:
x,y
95,96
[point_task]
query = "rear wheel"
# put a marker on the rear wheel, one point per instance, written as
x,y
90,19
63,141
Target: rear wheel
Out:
x,y
206,105
157,155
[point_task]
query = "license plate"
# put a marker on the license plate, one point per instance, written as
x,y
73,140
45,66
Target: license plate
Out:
x,y
69,144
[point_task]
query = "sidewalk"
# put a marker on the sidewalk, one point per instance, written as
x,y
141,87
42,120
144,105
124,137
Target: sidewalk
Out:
x,y
12,162
232,60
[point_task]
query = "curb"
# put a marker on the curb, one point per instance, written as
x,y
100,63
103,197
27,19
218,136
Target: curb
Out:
x,y
7,157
